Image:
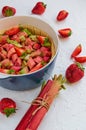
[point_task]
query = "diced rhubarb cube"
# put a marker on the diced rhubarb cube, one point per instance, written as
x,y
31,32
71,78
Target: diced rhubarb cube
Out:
x,y
22,34
14,57
3,39
15,37
36,53
11,52
24,70
31,63
16,68
36,45
18,62
29,48
46,53
38,59
43,49
46,58
28,41
6,63
7,46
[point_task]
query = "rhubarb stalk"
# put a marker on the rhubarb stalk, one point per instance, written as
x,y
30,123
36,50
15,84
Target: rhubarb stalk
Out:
x,y
41,104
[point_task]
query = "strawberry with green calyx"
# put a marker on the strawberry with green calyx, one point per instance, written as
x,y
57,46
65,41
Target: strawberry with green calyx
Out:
x,y
74,72
39,8
7,106
8,11
65,32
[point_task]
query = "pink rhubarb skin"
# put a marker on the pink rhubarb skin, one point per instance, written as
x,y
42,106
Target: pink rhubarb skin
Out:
x,y
23,125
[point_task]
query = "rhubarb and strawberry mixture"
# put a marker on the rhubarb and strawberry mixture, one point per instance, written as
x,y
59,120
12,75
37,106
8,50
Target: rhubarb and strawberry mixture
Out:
x,y
24,49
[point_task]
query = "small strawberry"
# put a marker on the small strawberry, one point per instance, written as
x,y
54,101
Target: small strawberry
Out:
x,y
8,11
74,72
39,8
76,51
62,15
65,32
7,106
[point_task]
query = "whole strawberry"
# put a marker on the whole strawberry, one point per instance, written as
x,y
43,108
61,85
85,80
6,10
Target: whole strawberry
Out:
x,y
39,8
8,11
74,72
7,106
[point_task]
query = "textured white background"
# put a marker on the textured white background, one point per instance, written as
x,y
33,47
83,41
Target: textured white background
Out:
x,y
68,111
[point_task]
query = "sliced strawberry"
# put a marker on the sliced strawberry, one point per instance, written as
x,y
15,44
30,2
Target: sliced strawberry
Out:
x,y
19,51
65,32
81,59
12,31
41,39
76,51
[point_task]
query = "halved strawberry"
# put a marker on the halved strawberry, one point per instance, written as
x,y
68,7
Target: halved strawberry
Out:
x,y
65,32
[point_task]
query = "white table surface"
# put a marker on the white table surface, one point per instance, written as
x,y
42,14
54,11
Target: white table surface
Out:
x,y
68,111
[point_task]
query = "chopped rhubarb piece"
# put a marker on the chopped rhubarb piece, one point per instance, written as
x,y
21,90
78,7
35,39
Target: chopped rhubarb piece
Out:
x,y
11,52
37,67
18,62
24,70
3,39
14,57
36,46
31,63
16,68
46,58
6,63
22,34
36,53
28,41
16,38
38,59
46,53
7,46
4,70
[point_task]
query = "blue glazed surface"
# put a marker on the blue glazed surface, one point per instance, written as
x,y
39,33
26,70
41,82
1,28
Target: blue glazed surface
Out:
x,y
27,82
